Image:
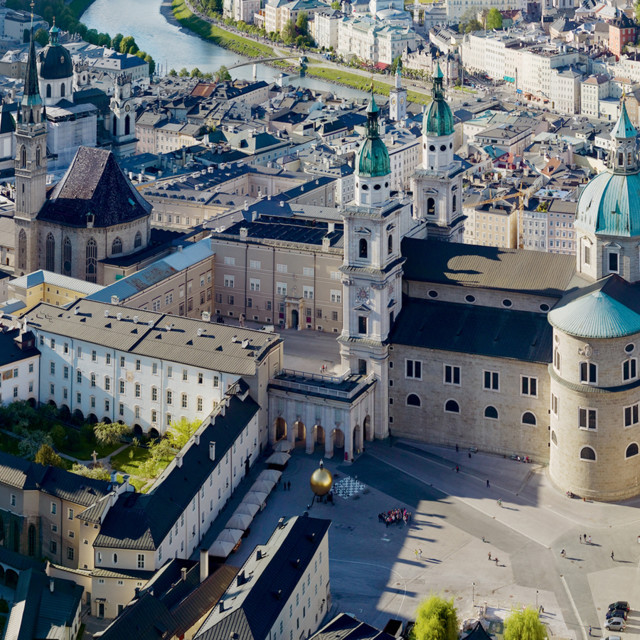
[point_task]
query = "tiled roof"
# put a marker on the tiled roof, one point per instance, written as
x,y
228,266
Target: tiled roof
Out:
x,y
474,330
10,351
94,185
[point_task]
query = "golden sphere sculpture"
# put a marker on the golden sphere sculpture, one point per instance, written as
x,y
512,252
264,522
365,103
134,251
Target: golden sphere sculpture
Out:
x,y
321,481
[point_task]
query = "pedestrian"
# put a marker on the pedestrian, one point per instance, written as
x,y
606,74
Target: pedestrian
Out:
x,y
457,469
420,554
483,540
488,485
612,556
589,629
469,453
589,539
457,449
580,539
496,559
585,537
489,555
563,553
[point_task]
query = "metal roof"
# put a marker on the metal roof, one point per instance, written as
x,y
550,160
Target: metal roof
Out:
x,y
48,277
623,128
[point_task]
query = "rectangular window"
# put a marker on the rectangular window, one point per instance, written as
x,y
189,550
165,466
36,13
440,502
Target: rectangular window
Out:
x,y
307,271
169,397
79,398
554,404
184,402
451,374
630,369
587,418
631,415
362,324
138,365
79,376
200,377
169,372
491,380
122,362
154,368
79,352
107,383
185,375
52,369
254,284
54,508
94,356
12,500
121,386
588,373
107,406
307,292
413,369
229,260
613,262
336,295
199,401
529,386
216,382
154,416
121,409
154,394
281,268
108,358
255,264
229,281
53,546
141,561
281,288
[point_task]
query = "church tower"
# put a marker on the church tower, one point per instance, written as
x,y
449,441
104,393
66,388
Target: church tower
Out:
x,y
123,124
437,184
30,169
398,99
374,225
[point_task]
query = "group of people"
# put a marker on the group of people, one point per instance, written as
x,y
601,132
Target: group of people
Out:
x,y
395,516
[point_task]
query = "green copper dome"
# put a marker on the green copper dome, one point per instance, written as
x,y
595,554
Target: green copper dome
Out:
x,y
438,120
373,157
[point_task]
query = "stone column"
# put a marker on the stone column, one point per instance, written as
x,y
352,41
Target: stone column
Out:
x,y
309,421
291,420
328,425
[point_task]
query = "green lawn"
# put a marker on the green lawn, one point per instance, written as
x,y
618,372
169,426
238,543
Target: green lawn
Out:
x,y
134,464
83,449
215,34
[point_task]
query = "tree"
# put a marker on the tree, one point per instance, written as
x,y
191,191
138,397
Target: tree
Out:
x,y
524,625
302,23
47,456
196,73
222,74
181,430
109,433
31,443
152,64
335,5
494,19
173,73
116,41
41,37
436,619
473,25
216,6
97,472
289,32
127,43
183,73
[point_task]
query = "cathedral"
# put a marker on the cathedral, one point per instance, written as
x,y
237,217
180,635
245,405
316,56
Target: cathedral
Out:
x,y
510,352
92,214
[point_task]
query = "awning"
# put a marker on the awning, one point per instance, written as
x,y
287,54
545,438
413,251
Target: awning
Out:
x,y
278,458
265,486
245,508
221,549
255,497
230,535
270,474
283,445
239,521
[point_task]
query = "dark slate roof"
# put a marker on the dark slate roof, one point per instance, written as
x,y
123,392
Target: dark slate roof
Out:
x,y
94,184
142,521
22,474
475,330
477,633
286,561
346,627
54,62
7,123
10,351
466,265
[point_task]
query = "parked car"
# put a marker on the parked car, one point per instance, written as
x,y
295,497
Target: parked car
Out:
x,y
613,638
616,613
615,624
620,604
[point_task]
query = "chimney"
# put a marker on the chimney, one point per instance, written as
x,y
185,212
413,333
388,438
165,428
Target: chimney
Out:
x,y
179,248
258,555
204,564
52,585
212,451
183,574
243,233
178,461
332,227
115,300
206,316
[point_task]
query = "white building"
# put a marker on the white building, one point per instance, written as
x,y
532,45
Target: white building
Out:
x,y
143,368
592,90
565,90
324,28
19,367
457,8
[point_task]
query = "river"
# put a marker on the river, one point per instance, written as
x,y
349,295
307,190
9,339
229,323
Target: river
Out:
x,y
155,31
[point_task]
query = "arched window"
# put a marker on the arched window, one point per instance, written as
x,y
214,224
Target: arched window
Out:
x,y
587,453
127,125
632,450
66,256
22,249
363,248
556,359
50,252
137,242
451,406
91,269
413,400
62,90
390,244
115,125
23,157
116,246
31,548
453,203
48,90
38,156
491,412
431,207
528,418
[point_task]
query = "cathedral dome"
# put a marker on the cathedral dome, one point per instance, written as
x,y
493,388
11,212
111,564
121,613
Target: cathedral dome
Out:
x,y
609,204
438,120
54,61
373,157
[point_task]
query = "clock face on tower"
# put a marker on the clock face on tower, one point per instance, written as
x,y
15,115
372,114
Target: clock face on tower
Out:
x,y
363,294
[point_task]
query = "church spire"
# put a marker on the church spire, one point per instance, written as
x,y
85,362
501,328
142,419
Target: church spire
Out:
x,y
624,153
31,95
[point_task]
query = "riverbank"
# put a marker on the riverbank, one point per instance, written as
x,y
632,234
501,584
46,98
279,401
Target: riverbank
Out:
x,y
217,35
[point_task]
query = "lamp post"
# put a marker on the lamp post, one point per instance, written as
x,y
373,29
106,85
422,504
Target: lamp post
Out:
x,y
473,594
536,598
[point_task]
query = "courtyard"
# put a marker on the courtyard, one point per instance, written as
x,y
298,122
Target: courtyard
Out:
x,y
380,572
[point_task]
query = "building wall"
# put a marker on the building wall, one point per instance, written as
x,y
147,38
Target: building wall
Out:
x,y
469,428
19,380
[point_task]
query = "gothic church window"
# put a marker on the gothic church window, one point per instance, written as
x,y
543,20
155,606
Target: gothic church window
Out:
x,y
38,156
66,256
138,240
91,264
22,249
453,203
127,125
50,252
116,246
23,157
